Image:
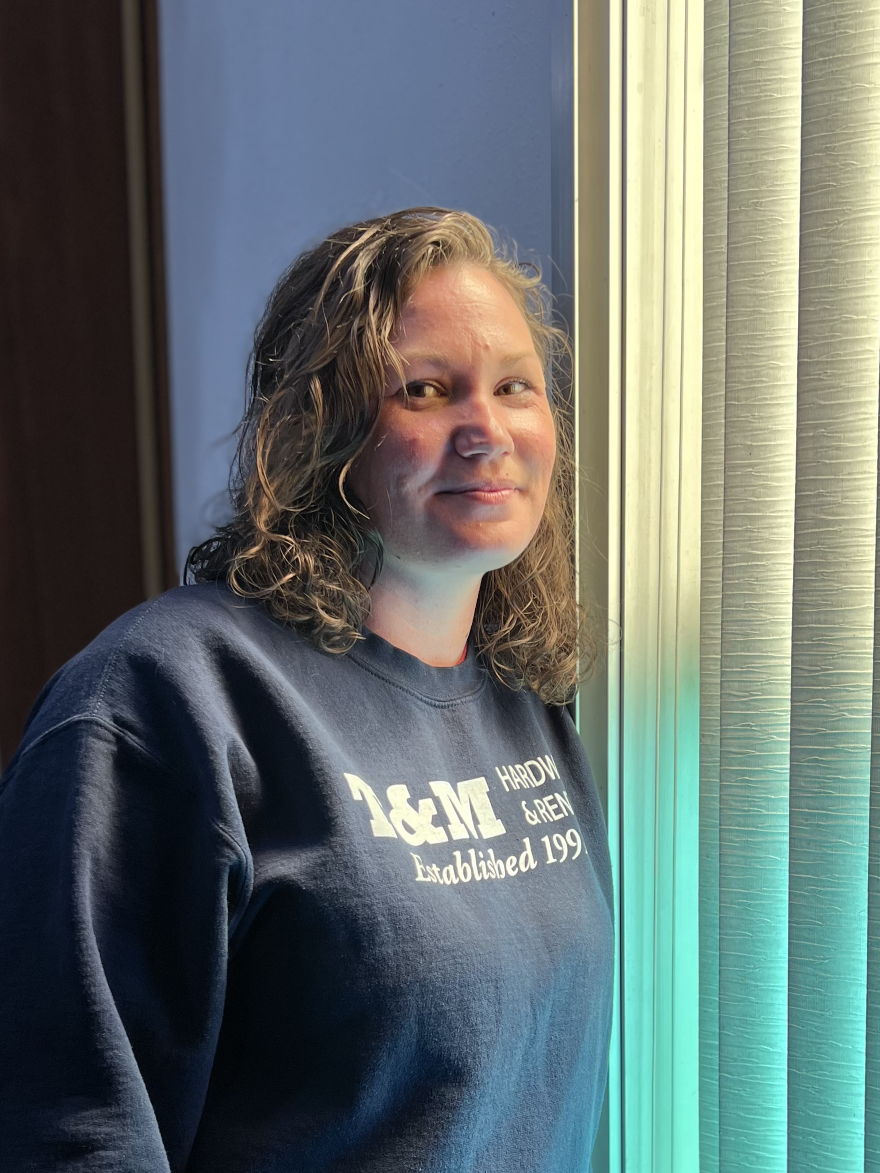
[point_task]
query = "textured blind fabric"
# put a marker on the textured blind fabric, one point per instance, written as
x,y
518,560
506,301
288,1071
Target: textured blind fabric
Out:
x,y
789,814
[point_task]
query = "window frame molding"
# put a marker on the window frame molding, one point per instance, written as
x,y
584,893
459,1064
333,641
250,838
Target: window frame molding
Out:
x,y
636,144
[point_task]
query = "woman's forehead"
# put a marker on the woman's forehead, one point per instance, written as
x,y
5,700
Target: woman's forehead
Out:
x,y
464,304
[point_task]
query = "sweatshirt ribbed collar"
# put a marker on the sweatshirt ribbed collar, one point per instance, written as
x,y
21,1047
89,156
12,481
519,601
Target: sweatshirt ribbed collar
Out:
x,y
398,667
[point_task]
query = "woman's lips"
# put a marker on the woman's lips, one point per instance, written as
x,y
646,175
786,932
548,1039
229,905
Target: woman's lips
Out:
x,y
485,496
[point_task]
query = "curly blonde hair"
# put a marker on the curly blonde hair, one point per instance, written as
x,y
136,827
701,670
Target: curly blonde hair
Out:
x,y
296,541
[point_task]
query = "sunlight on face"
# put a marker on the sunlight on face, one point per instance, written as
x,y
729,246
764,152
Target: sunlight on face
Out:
x,y
477,414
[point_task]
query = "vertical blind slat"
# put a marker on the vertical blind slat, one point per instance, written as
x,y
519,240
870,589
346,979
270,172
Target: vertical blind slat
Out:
x,y
872,1023
712,492
833,590
759,467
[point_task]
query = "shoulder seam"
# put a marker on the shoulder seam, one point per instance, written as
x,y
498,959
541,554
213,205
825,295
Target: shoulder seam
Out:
x,y
117,651
243,855
82,718
88,718
105,724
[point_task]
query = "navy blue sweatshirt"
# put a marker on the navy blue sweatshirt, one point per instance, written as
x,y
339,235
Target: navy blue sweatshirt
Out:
x,y
264,908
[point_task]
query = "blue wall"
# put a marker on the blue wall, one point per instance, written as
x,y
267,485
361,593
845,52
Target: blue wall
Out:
x,y
283,121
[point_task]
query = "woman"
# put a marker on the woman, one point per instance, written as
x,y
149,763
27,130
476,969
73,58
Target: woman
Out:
x,y
303,863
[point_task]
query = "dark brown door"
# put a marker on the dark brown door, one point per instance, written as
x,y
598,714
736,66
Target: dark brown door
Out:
x,y
85,511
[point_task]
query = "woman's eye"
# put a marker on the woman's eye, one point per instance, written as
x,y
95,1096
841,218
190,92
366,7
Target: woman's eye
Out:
x,y
413,390
425,392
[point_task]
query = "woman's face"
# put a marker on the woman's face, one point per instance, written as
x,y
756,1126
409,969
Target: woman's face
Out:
x,y
478,415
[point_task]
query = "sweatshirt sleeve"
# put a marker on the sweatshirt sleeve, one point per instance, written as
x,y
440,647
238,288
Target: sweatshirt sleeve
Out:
x,y
117,892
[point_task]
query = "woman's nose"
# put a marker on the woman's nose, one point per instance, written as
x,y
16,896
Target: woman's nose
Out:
x,y
480,426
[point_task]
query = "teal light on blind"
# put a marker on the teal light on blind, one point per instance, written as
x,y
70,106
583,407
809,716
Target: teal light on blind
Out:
x,y
833,593
788,956
660,565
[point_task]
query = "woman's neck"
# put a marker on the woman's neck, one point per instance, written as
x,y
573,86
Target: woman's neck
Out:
x,y
433,627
